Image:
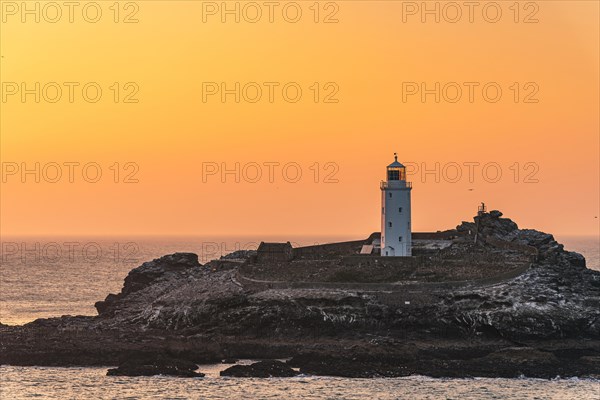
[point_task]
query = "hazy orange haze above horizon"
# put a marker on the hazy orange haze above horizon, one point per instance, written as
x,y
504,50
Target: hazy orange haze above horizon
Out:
x,y
546,144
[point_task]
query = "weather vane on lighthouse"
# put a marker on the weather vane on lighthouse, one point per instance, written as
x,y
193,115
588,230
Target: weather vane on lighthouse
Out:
x,y
396,235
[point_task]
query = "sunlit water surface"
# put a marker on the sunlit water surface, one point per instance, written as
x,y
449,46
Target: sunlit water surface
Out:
x,y
92,383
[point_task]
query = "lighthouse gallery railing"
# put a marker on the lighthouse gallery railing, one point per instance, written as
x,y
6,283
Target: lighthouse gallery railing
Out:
x,y
384,185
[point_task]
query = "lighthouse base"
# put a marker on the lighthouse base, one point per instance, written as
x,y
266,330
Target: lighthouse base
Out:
x,y
399,251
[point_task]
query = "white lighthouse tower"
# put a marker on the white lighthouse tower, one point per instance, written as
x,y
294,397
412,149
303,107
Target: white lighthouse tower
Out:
x,y
395,212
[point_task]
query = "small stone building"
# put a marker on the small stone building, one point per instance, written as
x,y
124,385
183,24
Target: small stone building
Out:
x,y
274,252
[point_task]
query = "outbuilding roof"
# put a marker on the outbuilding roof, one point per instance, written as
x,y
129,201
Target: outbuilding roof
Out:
x,y
274,247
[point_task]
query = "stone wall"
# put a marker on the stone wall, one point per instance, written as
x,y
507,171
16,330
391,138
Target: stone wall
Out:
x,y
439,235
366,260
398,292
330,250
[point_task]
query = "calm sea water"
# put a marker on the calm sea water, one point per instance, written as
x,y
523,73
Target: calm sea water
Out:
x,y
92,383
45,277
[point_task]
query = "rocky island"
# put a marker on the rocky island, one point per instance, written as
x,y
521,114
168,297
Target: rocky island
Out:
x,y
484,299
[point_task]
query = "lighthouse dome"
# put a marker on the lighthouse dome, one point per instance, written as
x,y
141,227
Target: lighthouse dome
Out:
x,y
395,164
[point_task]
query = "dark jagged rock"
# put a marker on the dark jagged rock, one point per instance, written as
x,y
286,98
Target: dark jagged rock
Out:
x,y
495,214
158,365
510,362
173,305
148,274
349,367
489,224
262,369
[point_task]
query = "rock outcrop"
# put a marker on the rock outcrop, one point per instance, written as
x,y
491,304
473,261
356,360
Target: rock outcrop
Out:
x,y
156,365
261,369
201,313
478,359
148,274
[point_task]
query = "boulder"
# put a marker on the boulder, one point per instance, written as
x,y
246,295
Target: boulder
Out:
x,y
346,368
380,362
513,362
495,214
490,224
149,366
262,369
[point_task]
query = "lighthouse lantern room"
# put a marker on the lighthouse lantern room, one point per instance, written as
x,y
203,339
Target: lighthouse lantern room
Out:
x,y
395,212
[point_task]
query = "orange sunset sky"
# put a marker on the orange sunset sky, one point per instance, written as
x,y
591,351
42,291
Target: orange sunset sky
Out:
x,y
365,58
